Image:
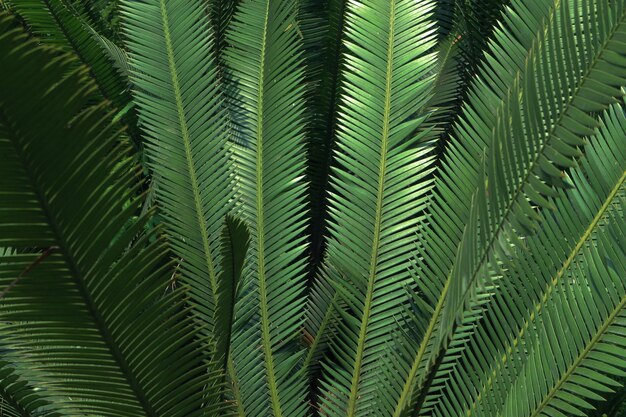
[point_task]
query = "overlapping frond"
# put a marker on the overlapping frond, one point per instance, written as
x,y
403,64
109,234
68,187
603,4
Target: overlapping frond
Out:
x,y
534,135
181,114
267,87
379,182
91,311
548,128
540,266
573,352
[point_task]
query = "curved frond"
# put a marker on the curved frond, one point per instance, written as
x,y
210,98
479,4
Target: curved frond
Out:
x,y
514,181
540,266
267,86
94,317
588,311
379,182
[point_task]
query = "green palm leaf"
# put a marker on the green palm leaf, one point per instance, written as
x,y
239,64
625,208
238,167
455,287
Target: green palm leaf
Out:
x,y
264,63
582,325
541,266
181,115
92,316
379,182
513,181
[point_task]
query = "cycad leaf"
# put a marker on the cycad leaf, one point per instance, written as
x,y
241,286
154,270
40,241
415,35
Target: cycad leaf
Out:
x,y
540,266
92,316
531,152
181,115
575,348
379,182
505,199
264,63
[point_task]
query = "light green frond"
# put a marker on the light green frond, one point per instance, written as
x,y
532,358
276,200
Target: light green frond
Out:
x,y
92,314
267,87
379,182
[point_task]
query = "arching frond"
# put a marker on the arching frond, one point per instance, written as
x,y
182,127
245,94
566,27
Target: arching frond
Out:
x,y
574,349
182,117
540,266
92,312
515,181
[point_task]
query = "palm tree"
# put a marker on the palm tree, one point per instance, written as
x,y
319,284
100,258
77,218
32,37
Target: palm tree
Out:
x,y
326,207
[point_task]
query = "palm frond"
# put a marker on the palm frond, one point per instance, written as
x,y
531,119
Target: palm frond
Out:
x,y
514,182
588,311
379,182
265,66
182,117
93,316
540,266
506,207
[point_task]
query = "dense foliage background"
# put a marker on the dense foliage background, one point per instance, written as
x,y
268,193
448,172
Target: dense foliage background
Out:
x,y
312,207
